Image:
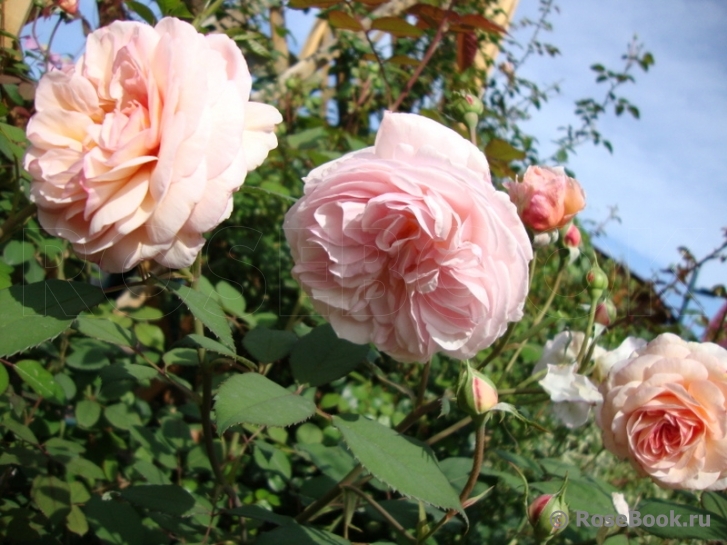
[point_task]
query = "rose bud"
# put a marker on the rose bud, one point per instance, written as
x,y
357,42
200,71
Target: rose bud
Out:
x,y
546,198
605,313
596,281
548,515
469,108
572,238
476,394
69,6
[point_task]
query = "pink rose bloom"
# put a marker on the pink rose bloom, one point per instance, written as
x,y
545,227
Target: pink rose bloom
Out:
x,y
409,246
665,409
546,198
136,151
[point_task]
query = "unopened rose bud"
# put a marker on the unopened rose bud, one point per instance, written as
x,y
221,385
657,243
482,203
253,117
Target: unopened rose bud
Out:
x,y
605,313
469,108
546,198
572,238
476,394
548,515
596,282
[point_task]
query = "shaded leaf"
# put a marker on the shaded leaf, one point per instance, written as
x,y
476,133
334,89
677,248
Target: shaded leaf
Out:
x,y
38,312
39,379
105,330
171,499
269,345
52,496
690,528
114,522
300,535
320,356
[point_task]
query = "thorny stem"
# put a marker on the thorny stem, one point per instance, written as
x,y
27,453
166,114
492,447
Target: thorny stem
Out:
x,y
16,219
329,496
206,404
423,383
425,60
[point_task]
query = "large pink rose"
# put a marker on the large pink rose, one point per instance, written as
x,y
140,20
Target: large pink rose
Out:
x,y
408,245
137,149
665,409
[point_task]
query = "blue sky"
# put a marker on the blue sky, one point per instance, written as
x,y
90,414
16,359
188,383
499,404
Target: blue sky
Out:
x,y
667,172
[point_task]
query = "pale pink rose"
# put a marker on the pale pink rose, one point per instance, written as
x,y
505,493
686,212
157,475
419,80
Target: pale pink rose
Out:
x,y
546,198
409,246
665,409
136,150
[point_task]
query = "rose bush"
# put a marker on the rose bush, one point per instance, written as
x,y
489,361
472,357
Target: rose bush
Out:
x,y
408,245
546,198
665,409
137,149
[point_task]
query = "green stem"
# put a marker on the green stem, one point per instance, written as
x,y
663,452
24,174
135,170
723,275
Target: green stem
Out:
x,y
383,512
9,225
211,9
423,383
589,329
329,496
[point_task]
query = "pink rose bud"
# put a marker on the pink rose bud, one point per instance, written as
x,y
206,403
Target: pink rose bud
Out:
x,y
69,6
476,394
548,515
605,313
546,198
572,238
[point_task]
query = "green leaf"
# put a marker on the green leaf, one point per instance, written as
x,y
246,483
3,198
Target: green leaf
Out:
x,y
4,379
17,252
269,345
151,473
269,458
690,527
320,356
120,416
254,399
300,535
206,343
183,356
38,312
76,521
39,379
208,311
174,8
142,11
716,503
21,431
401,462
397,27
85,468
231,299
52,496
105,330
114,522
87,413
334,462
510,409
171,499
503,150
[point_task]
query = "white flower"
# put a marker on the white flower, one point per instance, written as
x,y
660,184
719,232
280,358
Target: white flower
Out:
x,y
606,361
619,502
563,350
573,394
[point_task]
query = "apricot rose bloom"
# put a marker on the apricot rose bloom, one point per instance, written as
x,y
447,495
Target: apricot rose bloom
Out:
x,y
665,409
137,149
407,244
546,198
